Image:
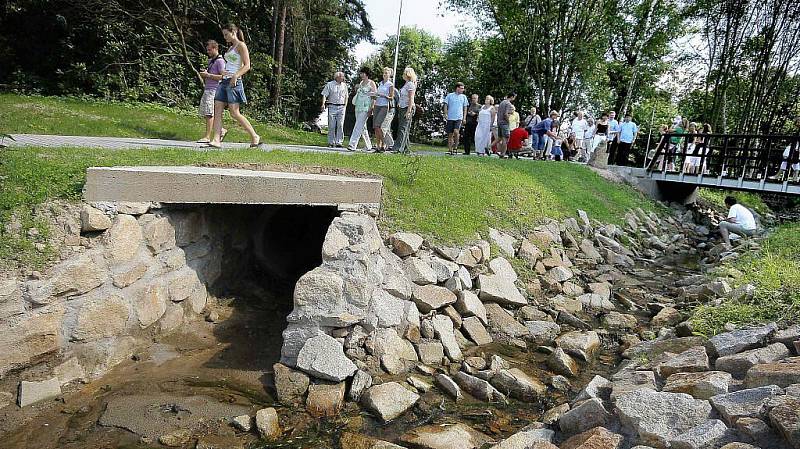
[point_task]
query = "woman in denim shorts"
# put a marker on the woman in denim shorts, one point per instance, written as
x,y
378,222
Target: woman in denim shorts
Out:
x,y
230,92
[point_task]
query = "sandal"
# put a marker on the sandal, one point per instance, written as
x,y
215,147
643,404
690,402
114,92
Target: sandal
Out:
x,y
255,145
203,140
211,145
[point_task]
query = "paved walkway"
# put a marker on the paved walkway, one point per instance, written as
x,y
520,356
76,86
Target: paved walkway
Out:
x,y
130,143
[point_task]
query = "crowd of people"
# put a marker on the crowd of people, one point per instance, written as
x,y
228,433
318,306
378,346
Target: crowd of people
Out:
x,y
381,101
485,128
499,129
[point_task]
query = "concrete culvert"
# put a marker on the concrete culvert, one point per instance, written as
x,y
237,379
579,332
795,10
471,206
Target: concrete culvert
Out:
x,y
287,240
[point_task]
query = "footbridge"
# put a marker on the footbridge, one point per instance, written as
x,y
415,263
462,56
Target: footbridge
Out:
x,y
761,163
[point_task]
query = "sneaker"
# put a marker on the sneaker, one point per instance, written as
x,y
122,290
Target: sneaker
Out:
x,y
352,149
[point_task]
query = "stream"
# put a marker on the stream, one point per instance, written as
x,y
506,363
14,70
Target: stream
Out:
x,y
210,370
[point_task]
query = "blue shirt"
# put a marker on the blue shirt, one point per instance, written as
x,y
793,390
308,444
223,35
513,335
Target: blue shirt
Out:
x,y
455,105
626,131
542,127
613,126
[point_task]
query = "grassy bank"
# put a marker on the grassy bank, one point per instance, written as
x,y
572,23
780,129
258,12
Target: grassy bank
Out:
x,y
448,199
716,198
87,117
775,271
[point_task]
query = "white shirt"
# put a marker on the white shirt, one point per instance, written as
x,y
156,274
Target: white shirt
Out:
x,y
579,126
743,217
335,93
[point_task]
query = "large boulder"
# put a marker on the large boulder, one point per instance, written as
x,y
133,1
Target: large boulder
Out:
x,y
432,297
500,289
478,388
405,243
444,331
749,402
325,400
584,416
505,242
93,219
700,385
474,329
657,417
323,357
503,323
515,383
500,266
468,304
123,239
579,343
782,374
690,361
597,438
738,364
785,418
542,332
419,271
741,340
712,433
290,384
389,400
448,436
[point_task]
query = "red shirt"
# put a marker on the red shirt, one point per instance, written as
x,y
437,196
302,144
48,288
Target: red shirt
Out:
x,y
517,136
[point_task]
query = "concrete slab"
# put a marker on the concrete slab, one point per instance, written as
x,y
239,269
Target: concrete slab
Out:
x,y
207,185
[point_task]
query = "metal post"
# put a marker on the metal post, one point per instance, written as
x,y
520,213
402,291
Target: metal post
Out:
x,y
397,45
649,136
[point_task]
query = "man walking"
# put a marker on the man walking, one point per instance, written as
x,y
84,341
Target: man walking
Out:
x,y
503,125
455,108
211,78
334,97
471,123
627,135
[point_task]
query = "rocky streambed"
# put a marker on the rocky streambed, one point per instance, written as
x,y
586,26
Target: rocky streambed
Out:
x,y
572,336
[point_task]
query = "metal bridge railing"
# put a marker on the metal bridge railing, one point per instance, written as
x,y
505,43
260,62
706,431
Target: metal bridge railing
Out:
x,y
746,157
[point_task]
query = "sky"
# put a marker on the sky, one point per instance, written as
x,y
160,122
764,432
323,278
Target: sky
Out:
x,y
424,14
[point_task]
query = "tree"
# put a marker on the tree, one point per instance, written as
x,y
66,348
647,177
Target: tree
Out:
x,y
151,50
640,33
423,52
552,47
752,57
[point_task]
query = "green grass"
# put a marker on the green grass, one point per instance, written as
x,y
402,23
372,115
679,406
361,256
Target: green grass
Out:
x,y
716,198
88,117
775,271
450,200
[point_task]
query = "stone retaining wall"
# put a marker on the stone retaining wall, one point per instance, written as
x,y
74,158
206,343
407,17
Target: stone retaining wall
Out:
x,y
133,273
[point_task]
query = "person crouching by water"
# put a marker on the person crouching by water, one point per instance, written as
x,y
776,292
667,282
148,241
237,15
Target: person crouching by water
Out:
x,y
211,78
740,221
230,92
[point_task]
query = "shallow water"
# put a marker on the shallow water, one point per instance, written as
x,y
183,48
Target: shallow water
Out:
x,y
231,363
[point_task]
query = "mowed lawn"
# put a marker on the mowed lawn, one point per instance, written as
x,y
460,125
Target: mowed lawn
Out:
x,y
92,117
449,200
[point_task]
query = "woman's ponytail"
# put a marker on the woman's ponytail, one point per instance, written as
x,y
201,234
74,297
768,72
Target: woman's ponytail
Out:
x,y
235,30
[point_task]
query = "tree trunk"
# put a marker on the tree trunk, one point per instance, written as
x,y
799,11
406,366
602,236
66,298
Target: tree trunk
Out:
x,y
275,15
276,88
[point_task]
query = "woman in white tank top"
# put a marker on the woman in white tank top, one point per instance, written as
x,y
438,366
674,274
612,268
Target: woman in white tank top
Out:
x,y
230,92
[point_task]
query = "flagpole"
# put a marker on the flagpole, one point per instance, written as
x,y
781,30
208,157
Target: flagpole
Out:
x,y
397,44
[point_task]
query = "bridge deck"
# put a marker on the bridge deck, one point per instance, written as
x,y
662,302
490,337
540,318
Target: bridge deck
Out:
x,y
766,163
